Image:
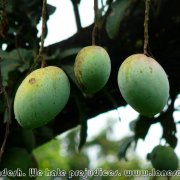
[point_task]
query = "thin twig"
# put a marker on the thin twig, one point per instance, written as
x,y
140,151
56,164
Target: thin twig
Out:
x,y
94,31
99,21
43,30
39,57
8,120
146,23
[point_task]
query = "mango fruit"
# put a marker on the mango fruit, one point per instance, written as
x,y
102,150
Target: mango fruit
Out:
x,y
164,158
92,68
143,84
41,96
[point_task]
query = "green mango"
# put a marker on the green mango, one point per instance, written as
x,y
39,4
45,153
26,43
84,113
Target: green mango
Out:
x,y
143,84
41,96
92,68
164,158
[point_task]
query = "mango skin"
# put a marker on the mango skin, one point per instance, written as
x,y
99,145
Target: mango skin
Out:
x,y
92,68
41,96
164,158
143,84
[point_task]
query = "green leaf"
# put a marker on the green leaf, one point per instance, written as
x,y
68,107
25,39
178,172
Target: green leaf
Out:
x,y
82,109
116,16
69,52
141,127
67,58
124,145
50,9
83,133
69,69
9,6
15,60
169,131
132,125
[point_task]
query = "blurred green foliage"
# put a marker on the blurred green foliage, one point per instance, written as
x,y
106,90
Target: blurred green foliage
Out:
x,y
99,153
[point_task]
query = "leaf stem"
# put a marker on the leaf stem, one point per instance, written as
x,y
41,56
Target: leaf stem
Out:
x,y
146,24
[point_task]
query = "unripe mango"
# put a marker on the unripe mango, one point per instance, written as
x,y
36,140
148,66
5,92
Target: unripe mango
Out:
x,y
164,158
92,68
143,84
41,96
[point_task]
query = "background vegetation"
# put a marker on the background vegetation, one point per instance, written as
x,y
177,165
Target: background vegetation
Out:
x,y
120,31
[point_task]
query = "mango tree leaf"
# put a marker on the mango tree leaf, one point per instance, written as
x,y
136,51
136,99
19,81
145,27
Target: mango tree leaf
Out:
x,y
9,6
116,16
67,58
15,60
83,133
141,127
50,9
69,52
69,69
23,17
82,109
169,130
132,125
124,145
